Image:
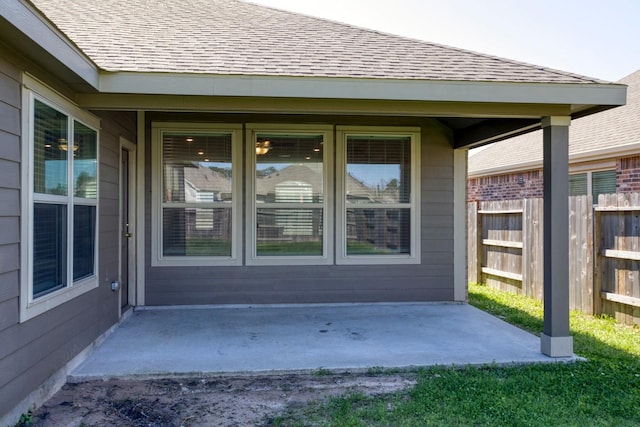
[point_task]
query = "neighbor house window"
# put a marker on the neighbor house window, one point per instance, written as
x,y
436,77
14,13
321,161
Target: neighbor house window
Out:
x,y
60,203
592,183
378,195
196,180
289,195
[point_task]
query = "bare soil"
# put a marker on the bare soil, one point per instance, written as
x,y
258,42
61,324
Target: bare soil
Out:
x,y
203,401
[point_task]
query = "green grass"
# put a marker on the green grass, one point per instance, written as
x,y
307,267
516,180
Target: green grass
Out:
x,y
290,248
603,391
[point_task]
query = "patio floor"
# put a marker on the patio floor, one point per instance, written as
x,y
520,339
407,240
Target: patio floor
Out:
x,y
261,339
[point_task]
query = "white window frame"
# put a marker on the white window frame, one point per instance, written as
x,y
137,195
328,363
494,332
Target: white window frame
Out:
x,y
33,90
342,133
157,257
588,171
252,130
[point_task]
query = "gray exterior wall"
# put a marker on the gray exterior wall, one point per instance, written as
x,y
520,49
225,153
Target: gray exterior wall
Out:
x,y
32,351
432,280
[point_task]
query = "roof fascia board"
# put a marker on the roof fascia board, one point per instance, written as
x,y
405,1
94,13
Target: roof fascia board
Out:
x,y
353,88
225,104
36,28
588,156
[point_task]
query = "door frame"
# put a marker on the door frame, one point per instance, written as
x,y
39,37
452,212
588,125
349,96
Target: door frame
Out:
x,y
133,225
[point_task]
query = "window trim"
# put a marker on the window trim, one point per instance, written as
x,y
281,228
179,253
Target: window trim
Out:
x,y
251,257
34,90
414,257
157,258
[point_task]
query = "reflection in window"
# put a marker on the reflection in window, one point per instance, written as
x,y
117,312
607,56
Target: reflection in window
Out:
x,y
197,173
61,143
289,194
378,175
50,144
85,167
378,169
84,232
49,248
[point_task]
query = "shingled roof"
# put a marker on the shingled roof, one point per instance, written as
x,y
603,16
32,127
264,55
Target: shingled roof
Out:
x,y
231,37
618,128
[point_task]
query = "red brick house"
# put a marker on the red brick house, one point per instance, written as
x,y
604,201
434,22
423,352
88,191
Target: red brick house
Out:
x,y
604,155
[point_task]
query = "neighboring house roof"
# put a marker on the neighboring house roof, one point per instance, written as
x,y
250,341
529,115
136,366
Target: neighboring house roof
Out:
x,y
230,37
205,179
311,174
609,133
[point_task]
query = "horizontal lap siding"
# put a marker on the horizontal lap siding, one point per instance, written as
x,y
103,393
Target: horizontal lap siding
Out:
x,y
30,352
10,101
432,280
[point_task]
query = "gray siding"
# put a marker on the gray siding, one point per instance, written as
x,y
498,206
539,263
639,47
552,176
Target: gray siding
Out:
x,y
432,280
34,350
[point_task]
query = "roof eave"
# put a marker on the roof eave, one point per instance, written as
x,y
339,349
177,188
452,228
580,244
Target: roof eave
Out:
x,y
35,37
584,96
580,157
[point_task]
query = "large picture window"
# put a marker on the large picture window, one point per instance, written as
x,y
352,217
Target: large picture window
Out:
x,y
197,175
289,195
378,195
60,200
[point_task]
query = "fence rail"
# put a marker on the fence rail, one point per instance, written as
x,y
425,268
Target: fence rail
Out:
x,y
505,251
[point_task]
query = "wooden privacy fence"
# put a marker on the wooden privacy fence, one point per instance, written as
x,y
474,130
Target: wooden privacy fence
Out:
x,y
506,251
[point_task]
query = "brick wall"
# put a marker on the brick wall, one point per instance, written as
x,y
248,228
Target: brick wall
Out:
x,y
511,187
628,174
506,187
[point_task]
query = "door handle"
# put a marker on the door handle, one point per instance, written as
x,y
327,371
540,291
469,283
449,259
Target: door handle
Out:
x,y
128,234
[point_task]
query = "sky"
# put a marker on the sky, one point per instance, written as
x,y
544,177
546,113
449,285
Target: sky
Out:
x,y
595,38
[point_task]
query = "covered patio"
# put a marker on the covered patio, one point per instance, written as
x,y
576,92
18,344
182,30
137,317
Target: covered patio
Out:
x,y
306,338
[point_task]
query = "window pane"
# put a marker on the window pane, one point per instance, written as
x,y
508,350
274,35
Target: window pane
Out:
x,y
289,168
196,232
289,232
85,157
603,182
84,236
378,231
196,167
49,248
378,169
49,150
578,184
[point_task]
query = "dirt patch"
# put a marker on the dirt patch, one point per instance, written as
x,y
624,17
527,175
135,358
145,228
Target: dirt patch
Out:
x,y
215,401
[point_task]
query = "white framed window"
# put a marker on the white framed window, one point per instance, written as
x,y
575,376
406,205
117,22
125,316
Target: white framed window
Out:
x,y
289,197
59,200
377,195
196,183
592,183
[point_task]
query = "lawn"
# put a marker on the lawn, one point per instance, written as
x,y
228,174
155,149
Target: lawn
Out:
x,y
602,391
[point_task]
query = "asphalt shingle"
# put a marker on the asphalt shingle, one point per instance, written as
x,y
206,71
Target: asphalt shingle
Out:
x,y
617,127
232,37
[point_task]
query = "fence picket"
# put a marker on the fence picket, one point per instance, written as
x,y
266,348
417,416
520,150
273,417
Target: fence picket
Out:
x,y
506,251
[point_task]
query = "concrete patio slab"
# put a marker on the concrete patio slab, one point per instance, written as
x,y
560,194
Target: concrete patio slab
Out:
x,y
262,339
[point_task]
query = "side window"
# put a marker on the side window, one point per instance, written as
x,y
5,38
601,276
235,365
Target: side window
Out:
x,y
379,188
603,182
60,200
578,184
593,183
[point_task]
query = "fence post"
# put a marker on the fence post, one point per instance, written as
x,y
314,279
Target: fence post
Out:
x,y
479,248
